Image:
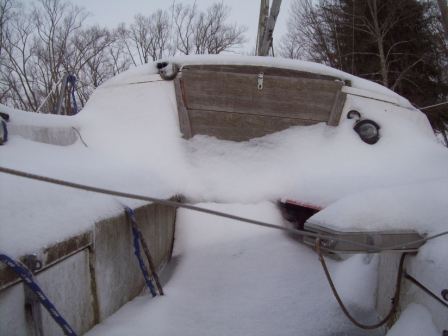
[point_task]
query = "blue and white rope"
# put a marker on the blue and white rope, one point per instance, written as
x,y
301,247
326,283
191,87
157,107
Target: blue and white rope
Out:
x,y
29,281
136,239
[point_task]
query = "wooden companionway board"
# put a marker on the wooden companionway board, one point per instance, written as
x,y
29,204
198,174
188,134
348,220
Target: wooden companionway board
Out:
x,y
240,102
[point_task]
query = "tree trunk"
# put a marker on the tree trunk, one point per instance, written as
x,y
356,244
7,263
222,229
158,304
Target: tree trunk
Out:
x,y
444,12
383,65
378,33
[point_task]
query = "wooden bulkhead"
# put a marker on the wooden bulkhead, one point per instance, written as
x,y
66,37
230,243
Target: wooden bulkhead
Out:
x,y
240,102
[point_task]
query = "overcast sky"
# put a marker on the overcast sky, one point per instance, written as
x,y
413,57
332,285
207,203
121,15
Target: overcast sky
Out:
x,y
245,12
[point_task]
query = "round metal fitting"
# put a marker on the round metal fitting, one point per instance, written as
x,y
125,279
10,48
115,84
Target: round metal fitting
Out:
x,y
445,294
168,71
368,131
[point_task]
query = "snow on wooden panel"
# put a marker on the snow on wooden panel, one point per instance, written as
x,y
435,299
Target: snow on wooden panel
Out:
x,y
227,102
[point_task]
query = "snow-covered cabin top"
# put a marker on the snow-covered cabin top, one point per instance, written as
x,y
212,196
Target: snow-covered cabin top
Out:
x,y
131,128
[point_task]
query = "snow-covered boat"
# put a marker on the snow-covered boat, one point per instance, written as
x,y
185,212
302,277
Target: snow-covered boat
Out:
x,y
243,130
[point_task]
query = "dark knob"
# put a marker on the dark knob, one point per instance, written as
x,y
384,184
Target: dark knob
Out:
x,y
445,294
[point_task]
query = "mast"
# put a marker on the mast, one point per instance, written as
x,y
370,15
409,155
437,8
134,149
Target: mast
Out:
x,y
264,12
266,25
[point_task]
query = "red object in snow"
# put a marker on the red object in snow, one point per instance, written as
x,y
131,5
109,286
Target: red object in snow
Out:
x,y
297,212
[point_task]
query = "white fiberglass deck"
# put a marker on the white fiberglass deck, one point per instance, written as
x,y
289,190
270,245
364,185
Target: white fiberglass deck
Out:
x,y
230,278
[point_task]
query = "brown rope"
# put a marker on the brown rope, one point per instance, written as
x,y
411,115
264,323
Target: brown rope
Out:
x,y
395,300
175,204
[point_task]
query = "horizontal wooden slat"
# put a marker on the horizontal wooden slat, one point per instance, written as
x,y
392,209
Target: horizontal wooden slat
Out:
x,y
49,256
65,248
238,126
253,69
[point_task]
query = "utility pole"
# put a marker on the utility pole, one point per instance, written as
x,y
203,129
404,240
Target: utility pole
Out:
x,y
266,25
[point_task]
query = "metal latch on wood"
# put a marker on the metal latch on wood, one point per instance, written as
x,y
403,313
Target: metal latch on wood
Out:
x,y
260,81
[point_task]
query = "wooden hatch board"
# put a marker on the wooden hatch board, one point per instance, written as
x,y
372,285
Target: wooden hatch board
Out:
x,y
225,102
49,256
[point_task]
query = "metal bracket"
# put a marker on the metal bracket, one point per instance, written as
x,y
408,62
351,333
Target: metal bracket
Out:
x,y
260,81
363,242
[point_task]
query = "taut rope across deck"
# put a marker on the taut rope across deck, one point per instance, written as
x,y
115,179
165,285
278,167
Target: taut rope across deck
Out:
x,y
368,248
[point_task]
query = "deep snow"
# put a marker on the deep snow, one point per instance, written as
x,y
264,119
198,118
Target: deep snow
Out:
x,y
233,279
415,320
134,145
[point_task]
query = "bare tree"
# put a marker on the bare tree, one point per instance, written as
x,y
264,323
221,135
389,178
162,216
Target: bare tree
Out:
x,y
17,68
7,13
56,24
119,57
89,59
212,35
6,10
147,38
184,17
398,43
44,44
123,37
188,31
205,32
381,18
160,29
325,29
443,6
35,45
310,33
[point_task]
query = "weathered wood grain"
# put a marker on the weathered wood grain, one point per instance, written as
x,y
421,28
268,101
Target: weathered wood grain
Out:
x,y
254,69
238,126
336,110
306,98
224,100
50,256
184,121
